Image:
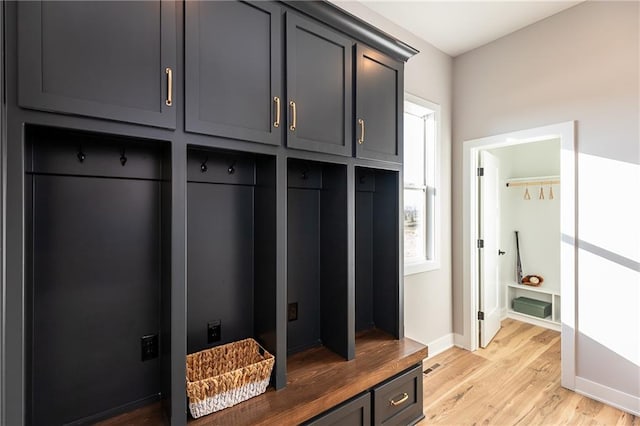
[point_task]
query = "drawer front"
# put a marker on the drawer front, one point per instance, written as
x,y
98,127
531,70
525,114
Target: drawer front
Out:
x,y
356,412
399,401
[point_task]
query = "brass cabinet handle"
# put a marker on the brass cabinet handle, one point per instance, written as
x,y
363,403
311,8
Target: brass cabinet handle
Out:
x,y
395,403
294,116
361,123
277,102
169,100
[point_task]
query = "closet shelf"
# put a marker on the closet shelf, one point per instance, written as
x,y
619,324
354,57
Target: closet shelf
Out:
x,y
540,289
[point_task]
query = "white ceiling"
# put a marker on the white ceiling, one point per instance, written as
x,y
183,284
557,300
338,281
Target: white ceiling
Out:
x,y
456,27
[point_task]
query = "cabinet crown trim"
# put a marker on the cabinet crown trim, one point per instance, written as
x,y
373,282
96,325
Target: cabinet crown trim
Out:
x,y
354,27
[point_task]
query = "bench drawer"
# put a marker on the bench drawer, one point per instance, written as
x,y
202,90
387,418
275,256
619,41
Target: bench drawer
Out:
x,y
399,400
356,412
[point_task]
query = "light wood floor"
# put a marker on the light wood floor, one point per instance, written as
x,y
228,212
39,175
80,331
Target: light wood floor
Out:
x,y
515,381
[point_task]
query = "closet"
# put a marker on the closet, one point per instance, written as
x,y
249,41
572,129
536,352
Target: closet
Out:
x,y
530,204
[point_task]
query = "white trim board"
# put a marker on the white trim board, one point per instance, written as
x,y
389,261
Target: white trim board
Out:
x,y
471,148
609,396
539,322
440,345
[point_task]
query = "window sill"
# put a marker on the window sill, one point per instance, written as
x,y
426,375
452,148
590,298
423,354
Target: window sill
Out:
x,y
418,268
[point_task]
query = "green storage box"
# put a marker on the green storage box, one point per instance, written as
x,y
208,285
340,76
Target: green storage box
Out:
x,y
536,308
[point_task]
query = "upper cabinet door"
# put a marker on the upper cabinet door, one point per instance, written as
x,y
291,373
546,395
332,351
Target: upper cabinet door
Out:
x,y
379,94
233,60
318,88
104,59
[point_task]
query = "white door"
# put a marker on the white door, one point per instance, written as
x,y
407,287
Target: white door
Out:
x,y
489,232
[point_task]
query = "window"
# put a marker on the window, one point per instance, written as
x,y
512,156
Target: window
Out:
x,y
421,181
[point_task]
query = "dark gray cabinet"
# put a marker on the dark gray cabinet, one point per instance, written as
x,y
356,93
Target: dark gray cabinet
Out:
x,y
319,100
399,400
355,412
101,59
126,220
379,92
233,70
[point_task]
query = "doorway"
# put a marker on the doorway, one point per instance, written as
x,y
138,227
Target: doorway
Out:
x,y
481,265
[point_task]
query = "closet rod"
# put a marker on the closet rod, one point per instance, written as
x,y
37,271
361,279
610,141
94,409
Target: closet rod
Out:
x,y
534,183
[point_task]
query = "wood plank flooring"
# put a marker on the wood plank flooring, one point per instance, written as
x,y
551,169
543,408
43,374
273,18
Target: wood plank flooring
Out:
x,y
514,381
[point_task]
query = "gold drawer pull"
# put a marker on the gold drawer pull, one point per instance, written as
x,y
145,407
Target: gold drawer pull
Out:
x,y
277,102
395,403
361,123
169,100
294,116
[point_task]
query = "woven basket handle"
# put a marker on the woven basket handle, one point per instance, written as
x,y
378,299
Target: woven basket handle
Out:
x,y
261,349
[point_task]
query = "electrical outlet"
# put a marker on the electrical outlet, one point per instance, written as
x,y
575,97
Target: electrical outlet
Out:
x,y
148,347
292,311
214,331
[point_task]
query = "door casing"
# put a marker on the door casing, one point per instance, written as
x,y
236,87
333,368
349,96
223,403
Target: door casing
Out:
x,y
566,133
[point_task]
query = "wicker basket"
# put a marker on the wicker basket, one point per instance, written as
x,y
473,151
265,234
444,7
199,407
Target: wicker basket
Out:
x,y
226,375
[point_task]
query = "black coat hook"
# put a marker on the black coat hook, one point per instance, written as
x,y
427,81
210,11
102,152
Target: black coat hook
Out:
x,y
203,166
305,170
123,157
363,179
232,168
81,156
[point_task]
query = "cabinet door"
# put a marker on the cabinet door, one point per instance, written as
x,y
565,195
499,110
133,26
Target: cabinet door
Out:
x,y
233,61
379,92
99,59
318,88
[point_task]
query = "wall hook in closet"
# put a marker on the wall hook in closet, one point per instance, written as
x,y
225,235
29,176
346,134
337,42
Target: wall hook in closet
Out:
x,y
203,166
232,168
305,170
123,157
81,156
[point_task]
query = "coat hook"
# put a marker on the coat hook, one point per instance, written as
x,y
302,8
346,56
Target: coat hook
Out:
x,y
123,157
305,170
363,179
81,156
203,166
541,195
550,192
232,168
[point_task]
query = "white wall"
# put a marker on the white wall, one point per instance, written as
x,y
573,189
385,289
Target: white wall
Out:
x,y
581,64
427,296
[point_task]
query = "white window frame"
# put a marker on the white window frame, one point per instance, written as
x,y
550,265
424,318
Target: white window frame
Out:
x,y
432,165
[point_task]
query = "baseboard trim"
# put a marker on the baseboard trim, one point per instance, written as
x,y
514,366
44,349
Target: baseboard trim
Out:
x,y
609,396
503,314
535,321
459,341
440,345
